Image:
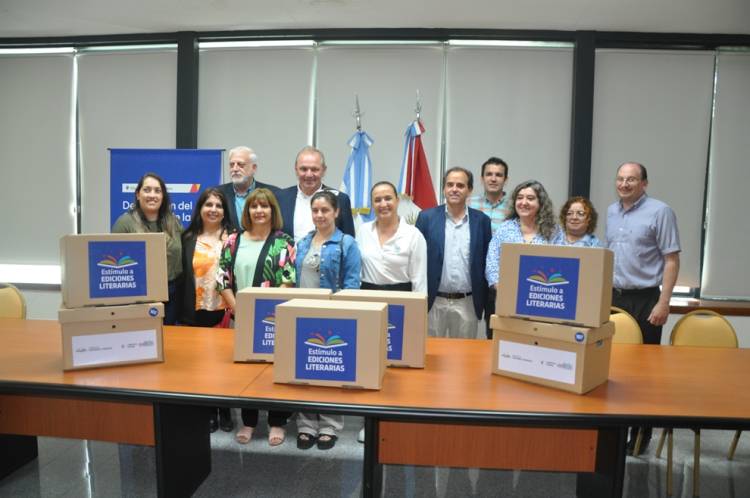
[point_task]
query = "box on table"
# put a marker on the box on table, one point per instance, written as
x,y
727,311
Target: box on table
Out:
x,y
111,335
557,284
255,319
407,323
118,268
566,357
330,343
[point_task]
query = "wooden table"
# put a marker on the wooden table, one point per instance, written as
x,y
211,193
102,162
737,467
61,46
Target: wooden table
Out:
x,y
493,421
165,405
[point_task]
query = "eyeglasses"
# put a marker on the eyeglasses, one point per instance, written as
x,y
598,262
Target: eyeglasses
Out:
x,y
629,180
237,163
579,214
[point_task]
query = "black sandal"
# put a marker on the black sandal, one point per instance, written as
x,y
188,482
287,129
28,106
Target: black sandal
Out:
x,y
326,444
305,441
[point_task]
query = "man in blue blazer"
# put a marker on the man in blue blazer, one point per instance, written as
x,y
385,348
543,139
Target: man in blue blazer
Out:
x,y
310,167
243,163
457,239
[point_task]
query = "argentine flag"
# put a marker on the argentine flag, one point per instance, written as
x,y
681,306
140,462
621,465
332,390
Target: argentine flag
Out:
x,y
357,180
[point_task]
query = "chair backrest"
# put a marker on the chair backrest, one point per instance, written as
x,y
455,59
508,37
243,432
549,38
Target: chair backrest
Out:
x,y
12,303
703,328
627,330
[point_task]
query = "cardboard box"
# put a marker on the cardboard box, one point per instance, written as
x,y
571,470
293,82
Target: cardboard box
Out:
x,y
111,335
119,268
556,284
566,357
407,323
330,343
255,319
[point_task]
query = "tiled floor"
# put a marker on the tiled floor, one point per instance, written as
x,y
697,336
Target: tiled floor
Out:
x,y
72,468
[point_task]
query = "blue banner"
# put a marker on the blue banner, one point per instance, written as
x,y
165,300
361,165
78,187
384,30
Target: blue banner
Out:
x,y
547,287
185,171
326,349
117,269
395,331
264,325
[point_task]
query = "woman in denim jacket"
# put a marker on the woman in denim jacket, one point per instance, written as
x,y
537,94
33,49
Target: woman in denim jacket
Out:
x,y
327,259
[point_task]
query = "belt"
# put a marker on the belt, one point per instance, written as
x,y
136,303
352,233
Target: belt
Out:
x,y
454,295
401,286
632,292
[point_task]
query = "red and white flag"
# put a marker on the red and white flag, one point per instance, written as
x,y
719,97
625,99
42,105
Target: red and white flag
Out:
x,y
415,180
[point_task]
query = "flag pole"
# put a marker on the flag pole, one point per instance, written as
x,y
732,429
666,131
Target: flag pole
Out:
x,y
357,114
418,107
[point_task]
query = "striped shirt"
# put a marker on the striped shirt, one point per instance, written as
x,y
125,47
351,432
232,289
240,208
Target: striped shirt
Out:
x,y
496,211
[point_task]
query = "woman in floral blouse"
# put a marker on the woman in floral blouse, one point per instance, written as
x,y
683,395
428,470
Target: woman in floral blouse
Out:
x,y
260,256
531,220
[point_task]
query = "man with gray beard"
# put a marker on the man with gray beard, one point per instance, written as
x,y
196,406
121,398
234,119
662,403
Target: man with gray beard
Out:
x,y
243,164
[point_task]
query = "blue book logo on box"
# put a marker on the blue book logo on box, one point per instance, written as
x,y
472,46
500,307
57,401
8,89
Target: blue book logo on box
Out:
x,y
326,349
395,331
548,287
117,269
264,325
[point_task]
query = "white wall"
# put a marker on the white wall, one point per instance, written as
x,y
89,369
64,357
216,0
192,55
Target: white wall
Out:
x,y
37,165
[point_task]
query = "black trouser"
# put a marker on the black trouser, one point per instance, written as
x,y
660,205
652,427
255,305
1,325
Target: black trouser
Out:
x,y
220,413
489,309
205,318
172,306
639,303
275,419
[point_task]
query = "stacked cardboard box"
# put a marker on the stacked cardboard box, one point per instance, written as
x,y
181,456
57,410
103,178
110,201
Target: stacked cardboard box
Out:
x,y
552,324
112,288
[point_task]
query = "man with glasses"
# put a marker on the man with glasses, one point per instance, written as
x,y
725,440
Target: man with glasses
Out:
x,y
243,163
642,232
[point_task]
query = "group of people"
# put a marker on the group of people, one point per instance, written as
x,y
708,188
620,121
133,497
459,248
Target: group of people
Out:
x,y
246,233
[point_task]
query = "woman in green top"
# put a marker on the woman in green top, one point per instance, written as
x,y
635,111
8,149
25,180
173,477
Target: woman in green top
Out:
x,y
260,256
152,212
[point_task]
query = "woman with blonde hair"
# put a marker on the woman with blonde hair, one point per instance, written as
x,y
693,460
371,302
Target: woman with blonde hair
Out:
x,y
259,256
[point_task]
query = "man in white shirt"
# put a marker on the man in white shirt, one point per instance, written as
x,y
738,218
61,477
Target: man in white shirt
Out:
x,y
457,238
310,168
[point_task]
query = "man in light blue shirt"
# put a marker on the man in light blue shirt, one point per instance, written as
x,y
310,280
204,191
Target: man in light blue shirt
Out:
x,y
642,232
457,238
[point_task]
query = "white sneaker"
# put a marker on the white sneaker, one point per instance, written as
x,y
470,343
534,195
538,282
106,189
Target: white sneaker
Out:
x,y
361,435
